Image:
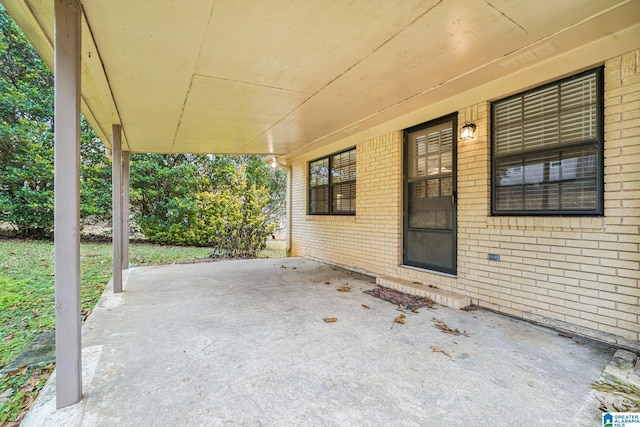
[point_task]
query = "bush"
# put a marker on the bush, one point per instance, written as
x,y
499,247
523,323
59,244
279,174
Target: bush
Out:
x,y
231,219
26,181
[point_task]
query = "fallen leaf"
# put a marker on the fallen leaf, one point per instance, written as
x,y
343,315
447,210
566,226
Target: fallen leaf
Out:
x,y
365,306
429,301
31,384
344,289
437,349
27,402
624,396
614,403
400,319
330,319
439,323
20,371
327,282
469,308
6,394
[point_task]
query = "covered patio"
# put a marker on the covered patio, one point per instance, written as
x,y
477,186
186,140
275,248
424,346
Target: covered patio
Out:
x,y
244,343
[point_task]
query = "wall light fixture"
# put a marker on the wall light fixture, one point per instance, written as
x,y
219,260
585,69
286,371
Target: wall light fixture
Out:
x,y
468,131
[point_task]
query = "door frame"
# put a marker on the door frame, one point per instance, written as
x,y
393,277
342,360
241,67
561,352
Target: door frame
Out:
x,y
453,118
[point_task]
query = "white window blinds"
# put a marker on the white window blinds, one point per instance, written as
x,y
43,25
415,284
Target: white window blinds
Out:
x,y
547,146
562,114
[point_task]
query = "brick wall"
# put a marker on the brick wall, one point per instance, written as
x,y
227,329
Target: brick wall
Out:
x,y
577,274
369,241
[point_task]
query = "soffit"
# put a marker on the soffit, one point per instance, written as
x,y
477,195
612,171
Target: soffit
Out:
x,y
285,76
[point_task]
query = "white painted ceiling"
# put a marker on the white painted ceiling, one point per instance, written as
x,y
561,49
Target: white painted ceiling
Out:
x,y
285,76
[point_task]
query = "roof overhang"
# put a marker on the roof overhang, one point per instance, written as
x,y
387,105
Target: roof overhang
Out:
x,y
289,77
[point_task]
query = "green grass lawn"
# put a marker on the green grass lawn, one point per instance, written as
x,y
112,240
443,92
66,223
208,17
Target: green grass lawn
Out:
x,y
27,301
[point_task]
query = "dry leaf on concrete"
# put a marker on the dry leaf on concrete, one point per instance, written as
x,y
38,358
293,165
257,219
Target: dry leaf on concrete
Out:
x,y
430,303
439,323
400,319
437,349
343,288
365,306
330,319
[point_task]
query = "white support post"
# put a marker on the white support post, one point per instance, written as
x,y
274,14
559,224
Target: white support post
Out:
x,y
125,209
116,169
67,44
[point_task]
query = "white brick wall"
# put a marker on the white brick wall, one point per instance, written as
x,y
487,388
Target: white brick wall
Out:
x,y
577,274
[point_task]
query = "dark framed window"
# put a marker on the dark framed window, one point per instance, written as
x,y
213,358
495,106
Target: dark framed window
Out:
x,y
547,149
332,184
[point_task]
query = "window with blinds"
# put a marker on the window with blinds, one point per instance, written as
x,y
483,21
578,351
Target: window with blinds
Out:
x,y
547,149
332,184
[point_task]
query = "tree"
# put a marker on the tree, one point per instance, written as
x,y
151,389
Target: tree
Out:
x,y
275,180
26,135
162,193
220,168
95,177
169,192
215,201
26,143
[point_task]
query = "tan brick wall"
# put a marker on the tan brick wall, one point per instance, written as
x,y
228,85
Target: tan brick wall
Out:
x,y
369,241
580,274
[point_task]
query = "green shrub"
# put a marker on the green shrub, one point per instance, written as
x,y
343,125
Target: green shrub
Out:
x,y
232,219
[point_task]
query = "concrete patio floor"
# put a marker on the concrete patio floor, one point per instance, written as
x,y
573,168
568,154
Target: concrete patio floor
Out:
x,y
243,343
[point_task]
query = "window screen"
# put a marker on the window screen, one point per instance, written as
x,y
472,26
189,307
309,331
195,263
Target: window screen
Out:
x,y
430,177
547,149
332,184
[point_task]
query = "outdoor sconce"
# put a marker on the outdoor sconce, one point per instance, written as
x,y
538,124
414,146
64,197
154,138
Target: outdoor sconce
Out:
x,y
468,131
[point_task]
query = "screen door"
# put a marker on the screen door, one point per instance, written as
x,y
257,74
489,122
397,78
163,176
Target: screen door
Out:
x,y
430,196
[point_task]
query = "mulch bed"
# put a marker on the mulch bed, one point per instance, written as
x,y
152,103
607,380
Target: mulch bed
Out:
x,y
410,302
